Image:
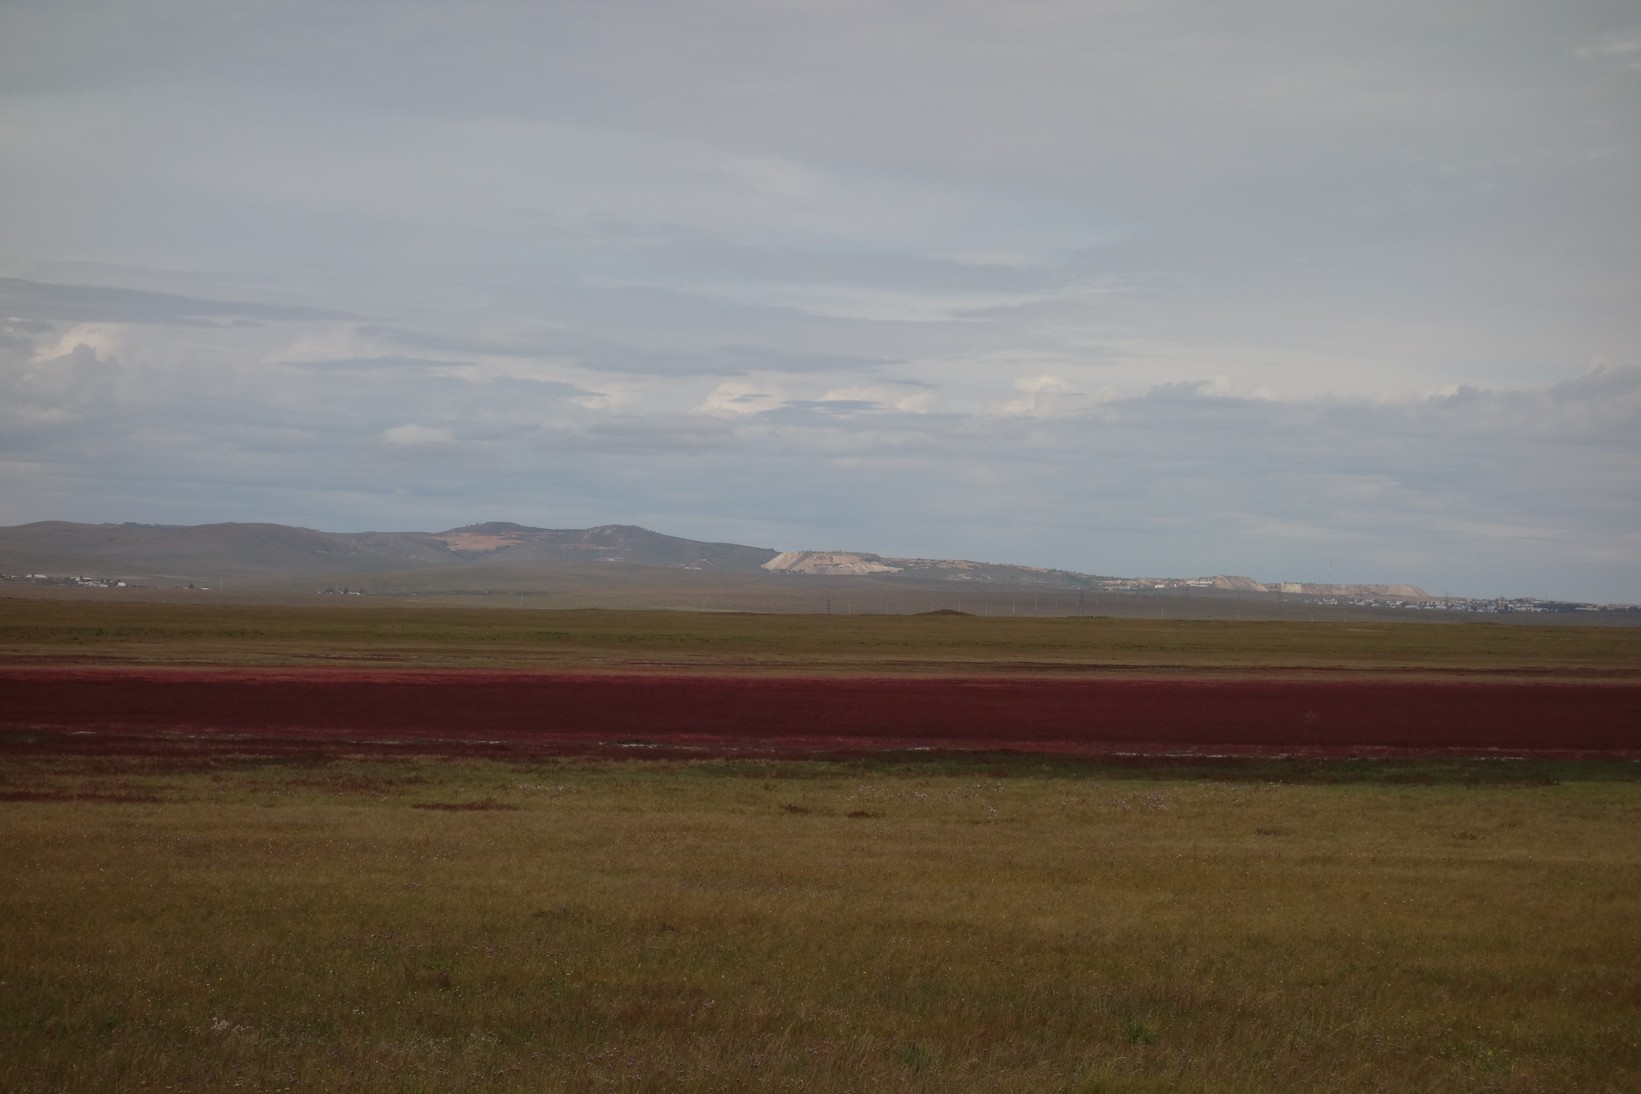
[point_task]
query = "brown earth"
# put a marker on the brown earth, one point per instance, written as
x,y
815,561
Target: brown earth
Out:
x,y
121,710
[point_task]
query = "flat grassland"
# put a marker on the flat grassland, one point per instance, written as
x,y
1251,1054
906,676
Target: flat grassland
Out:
x,y
371,633
241,911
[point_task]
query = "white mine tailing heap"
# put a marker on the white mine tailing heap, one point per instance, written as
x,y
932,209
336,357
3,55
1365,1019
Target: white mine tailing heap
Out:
x,y
828,562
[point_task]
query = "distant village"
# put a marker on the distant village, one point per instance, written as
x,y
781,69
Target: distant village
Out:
x,y
83,582
58,579
1366,596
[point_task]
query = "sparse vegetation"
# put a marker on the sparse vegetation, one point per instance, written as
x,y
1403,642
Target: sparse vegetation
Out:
x,y
326,923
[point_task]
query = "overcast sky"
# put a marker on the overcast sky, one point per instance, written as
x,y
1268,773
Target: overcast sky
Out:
x,y
1299,290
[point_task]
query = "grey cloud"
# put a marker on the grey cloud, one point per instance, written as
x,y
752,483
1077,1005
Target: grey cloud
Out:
x,y
643,438
677,252
612,355
835,406
13,338
39,301
527,387
1104,305
682,331
1463,496
52,394
441,371
455,343
801,411
769,359
968,88
1615,389
385,364
1481,456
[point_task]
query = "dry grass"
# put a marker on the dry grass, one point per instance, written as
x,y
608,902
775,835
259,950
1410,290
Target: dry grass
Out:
x,y
427,925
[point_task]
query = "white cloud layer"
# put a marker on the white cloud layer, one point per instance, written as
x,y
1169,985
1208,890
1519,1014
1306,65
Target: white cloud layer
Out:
x,y
1177,287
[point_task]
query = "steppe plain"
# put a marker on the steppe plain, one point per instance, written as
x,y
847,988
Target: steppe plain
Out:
x,y
233,858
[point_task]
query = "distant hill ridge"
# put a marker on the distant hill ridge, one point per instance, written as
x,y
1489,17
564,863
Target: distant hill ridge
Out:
x,y
252,550
246,549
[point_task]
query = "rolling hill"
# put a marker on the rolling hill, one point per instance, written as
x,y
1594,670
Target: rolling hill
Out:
x,y
623,565
161,551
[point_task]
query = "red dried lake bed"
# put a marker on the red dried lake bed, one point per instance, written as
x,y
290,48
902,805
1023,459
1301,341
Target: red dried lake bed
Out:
x,y
139,710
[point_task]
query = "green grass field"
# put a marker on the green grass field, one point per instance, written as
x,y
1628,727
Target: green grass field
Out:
x,y
432,925
366,633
